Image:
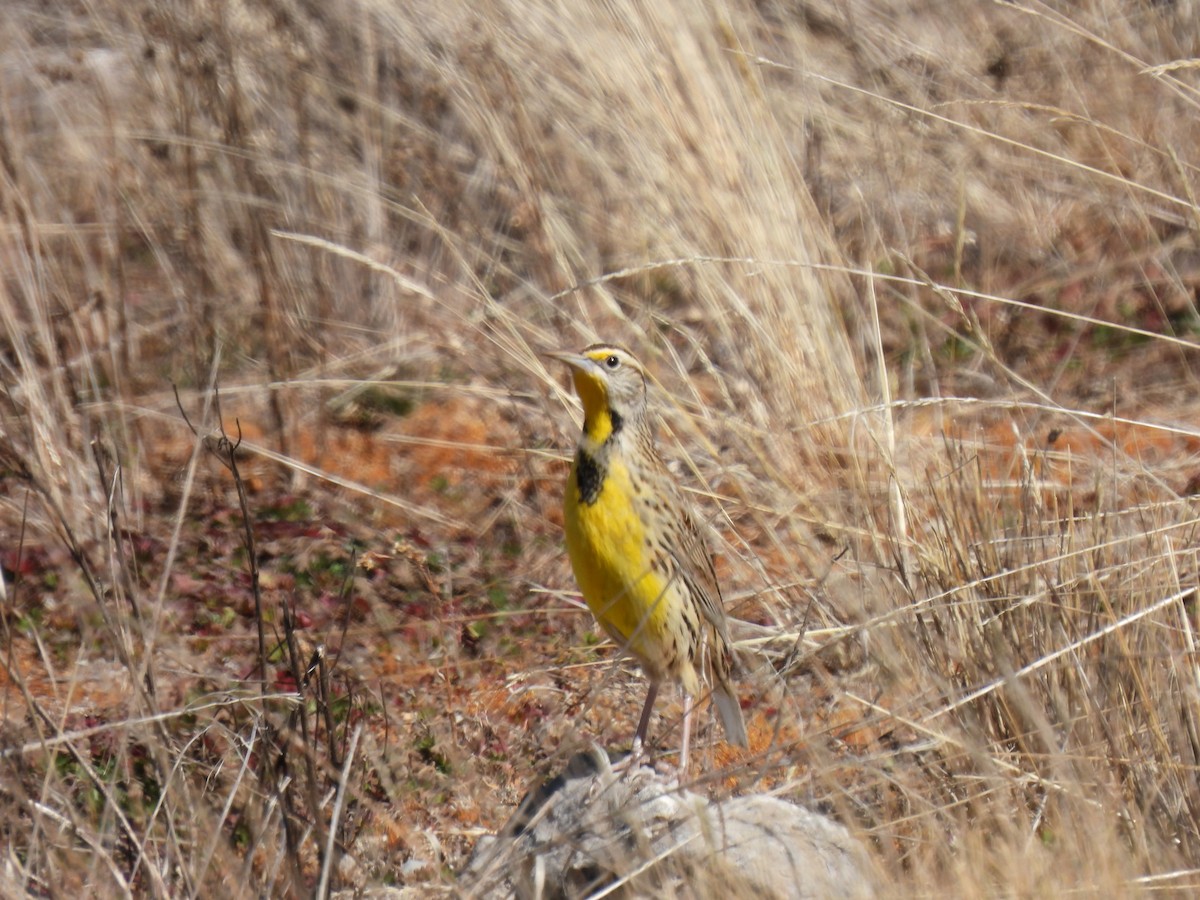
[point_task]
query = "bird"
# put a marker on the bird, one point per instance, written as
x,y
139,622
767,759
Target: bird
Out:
x,y
642,565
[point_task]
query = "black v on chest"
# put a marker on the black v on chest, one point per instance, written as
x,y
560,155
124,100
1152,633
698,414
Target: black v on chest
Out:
x,y
589,476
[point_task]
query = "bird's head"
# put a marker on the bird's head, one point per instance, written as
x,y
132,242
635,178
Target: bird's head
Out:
x,y
611,384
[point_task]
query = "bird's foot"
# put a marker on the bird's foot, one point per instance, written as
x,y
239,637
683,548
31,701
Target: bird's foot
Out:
x,y
632,760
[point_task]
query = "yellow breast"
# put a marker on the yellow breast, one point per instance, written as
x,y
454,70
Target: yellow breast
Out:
x,y
606,541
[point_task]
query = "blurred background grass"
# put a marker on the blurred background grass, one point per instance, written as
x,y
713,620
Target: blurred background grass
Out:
x,y
917,282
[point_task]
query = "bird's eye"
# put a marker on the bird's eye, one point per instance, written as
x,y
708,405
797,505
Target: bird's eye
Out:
x,y
613,361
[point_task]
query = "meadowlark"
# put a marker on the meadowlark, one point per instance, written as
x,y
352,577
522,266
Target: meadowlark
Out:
x,y
642,564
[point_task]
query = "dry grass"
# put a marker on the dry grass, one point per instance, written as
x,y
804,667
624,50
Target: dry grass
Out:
x,y
920,294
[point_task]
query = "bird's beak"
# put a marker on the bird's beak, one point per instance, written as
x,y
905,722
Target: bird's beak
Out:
x,y
588,378
574,360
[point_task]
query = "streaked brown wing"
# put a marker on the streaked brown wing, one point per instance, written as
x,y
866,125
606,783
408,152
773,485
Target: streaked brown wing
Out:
x,y
695,565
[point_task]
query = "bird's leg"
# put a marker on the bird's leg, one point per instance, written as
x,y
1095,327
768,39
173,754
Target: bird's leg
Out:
x,y
639,739
687,733
634,759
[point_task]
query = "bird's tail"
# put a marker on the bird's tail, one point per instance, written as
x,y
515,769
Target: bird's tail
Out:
x,y
730,711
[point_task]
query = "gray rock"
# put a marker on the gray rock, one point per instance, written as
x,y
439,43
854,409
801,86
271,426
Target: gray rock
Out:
x,y
639,834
